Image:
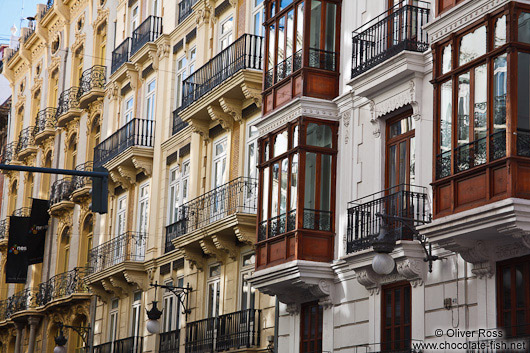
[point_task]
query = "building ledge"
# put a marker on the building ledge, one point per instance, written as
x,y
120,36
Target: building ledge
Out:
x,y
296,282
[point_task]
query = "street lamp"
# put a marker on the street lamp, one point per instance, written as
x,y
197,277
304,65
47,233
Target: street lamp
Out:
x,y
154,315
61,340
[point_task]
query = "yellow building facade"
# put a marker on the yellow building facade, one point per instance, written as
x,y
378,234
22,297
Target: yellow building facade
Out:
x,y
163,94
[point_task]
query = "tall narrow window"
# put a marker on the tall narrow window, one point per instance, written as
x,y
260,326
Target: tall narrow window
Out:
x,y
214,290
136,312
181,76
311,328
150,101
396,316
134,18
513,296
113,320
226,36
128,108
248,293
400,154
258,17
143,220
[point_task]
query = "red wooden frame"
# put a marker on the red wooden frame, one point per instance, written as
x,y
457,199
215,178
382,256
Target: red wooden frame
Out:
x,y
311,318
392,342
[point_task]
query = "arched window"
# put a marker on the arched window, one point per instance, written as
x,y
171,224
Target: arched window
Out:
x,y
87,233
12,202
93,138
71,153
63,254
45,181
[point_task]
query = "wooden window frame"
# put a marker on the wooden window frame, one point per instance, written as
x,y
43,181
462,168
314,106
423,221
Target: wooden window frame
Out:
x,y
317,330
402,326
407,136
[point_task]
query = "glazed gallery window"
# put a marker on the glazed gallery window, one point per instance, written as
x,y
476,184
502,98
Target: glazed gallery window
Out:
x,y
283,164
471,117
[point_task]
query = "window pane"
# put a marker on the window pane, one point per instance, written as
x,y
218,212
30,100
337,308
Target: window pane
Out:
x,y
472,45
314,35
445,116
280,143
285,3
500,32
481,103
295,136
310,180
265,198
402,126
290,34
500,69
412,162
275,182
325,183
281,40
283,190
331,21
294,181
319,135
463,109
300,26
272,45
446,59
524,27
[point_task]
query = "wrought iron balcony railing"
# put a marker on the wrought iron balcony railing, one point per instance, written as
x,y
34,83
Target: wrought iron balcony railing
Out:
x,y
26,138
9,152
20,301
28,33
69,99
61,190
49,5
22,212
513,339
46,119
236,196
240,329
148,31
62,285
129,246
185,9
396,30
95,77
523,142
125,345
178,124
245,53
284,69
3,228
405,201
80,181
120,55
137,132
169,342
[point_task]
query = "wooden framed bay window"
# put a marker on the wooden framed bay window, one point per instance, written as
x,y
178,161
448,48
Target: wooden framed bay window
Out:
x,y
297,192
482,112
302,50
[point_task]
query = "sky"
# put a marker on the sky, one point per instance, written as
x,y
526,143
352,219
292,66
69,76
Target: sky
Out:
x,y
11,11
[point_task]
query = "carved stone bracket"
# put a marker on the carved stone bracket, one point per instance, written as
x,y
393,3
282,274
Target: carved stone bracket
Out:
x,y
112,91
413,269
477,253
100,292
227,245
219,115
200,128
119,284
132,76
143,164
245,234
209,248
137,277
195,257
252,91
369,279
233,107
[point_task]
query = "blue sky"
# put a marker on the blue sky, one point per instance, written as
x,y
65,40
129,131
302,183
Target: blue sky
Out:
x,y
11,12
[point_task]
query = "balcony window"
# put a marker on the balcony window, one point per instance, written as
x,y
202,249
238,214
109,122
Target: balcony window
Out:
x,y
311,322
304,150
226,36
396,317
150,101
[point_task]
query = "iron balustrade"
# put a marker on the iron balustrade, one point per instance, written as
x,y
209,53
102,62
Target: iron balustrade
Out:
x,y
322,59
148,31
471,154
185,9
62,285
129,246
137,132
61,190
46,119
22,212
126,345
169,342
68,99
395,30
92,78
82,181
178,124
404,201
240,329
20,301
443,164
245,53
523,142
236,196
26,138
9,152
120,55
498,145
28,33
3,228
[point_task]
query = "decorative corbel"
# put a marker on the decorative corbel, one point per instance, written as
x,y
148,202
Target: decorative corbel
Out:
x,y
112,91
107,285
138,278
132,75
369,279
221,242
413,269
245,234
128,173
209,248
252,91
217,114
194,257
119,180
374,120
153,55
144,164
233,107
118,282
200,128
